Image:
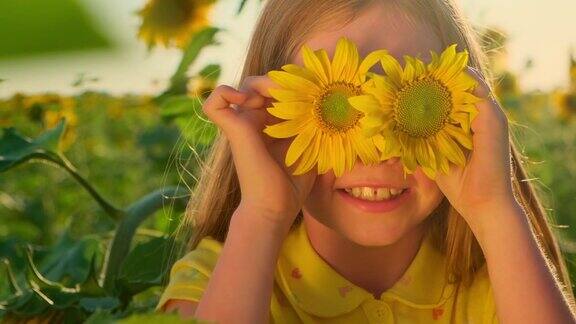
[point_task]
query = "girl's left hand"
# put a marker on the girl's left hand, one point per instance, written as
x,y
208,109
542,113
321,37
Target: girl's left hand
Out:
x,y
484,184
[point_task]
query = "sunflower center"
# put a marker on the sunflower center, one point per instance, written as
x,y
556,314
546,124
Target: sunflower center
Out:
x,y
423,107
172,14
332,110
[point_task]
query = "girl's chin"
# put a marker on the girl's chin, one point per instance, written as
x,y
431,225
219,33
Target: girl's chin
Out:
x,y
372,234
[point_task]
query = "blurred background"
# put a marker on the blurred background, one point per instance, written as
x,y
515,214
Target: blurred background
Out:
x,y
101,134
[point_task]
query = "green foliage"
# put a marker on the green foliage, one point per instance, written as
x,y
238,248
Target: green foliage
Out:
x,y
16,149
187,113
65,259
38,26
70,282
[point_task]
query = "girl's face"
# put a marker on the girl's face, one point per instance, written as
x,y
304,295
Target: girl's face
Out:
x,y
364,222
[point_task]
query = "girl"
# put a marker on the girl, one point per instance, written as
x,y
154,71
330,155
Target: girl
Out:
x,y
474,246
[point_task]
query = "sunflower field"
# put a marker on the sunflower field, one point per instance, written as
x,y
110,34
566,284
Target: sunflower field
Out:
x,y
94,184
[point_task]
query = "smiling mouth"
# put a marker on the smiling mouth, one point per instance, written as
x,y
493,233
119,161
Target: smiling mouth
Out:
x,y
374,194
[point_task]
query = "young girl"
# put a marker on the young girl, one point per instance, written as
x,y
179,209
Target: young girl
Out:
x,y
473,246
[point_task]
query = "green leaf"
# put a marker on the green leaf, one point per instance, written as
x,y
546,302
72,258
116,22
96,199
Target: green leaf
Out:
x,y
161,318
13,283
37,27
147,265
16,149
135,215
187,113
68,261
241,7
199,41
93,304
211,72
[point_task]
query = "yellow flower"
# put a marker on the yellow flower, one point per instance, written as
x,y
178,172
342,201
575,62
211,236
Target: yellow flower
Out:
x,y
172,22
313,101
565,103
423,111
66,109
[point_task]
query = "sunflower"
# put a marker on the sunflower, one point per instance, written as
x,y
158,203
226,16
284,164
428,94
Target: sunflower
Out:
x,y
423,111
172,22
313,101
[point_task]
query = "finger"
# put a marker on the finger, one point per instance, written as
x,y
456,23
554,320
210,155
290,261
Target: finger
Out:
x,y
217,106
489,105
257,89
260,84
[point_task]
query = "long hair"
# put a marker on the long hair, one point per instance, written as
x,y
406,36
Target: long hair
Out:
x,y
282,27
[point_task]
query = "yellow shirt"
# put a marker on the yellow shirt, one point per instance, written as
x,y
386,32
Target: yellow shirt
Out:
x,y
309,290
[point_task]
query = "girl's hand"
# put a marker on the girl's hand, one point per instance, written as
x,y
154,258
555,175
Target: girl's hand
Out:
x,y
485,183
268,187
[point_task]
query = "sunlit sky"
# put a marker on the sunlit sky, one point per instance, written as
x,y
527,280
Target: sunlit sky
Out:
x,y
539,30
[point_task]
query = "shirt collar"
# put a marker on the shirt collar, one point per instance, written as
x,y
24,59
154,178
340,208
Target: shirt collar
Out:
x,y
314,286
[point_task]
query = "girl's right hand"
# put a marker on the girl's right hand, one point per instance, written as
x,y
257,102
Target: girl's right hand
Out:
x,y
267,185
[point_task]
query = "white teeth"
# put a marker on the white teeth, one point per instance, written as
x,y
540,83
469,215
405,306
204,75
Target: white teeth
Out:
x,y
383,193
373,194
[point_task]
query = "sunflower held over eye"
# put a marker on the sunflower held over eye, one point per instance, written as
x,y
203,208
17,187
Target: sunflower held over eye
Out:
x,y
172,22
423,111
313,101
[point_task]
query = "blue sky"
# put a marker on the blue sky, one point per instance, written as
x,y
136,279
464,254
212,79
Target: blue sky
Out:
x,y
540,30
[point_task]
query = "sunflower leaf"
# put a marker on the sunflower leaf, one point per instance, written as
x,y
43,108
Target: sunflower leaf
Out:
x,y
199,41
16,149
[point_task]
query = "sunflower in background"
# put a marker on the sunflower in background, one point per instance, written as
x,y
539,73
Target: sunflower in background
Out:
x,y
173,22
313,101
202,85
423,111
66,108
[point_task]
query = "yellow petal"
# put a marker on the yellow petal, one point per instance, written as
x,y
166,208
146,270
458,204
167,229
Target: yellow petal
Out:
x,y
409,158
365,103
312,62
299,144
419,66
290,110
366,152
409,72
463,119
393,69
338,155
459,135
443,164
457,67
288,128
435,61
293,82
302,72
339,60
310,156
369,62
446,59
325,61
450,149
466,98
353,58
462,82
324,154
350,154
471,109
289,95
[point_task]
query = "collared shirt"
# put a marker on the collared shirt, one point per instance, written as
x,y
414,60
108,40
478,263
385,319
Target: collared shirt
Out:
x,y
308,290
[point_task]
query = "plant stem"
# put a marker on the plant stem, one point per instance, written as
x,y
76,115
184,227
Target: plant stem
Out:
x,y
135,215
115,213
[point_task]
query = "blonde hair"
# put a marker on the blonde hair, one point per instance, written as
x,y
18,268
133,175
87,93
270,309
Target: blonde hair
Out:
x,y
281,29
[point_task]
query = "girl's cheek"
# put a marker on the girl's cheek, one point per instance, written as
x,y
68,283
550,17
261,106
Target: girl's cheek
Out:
x,y
425,184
